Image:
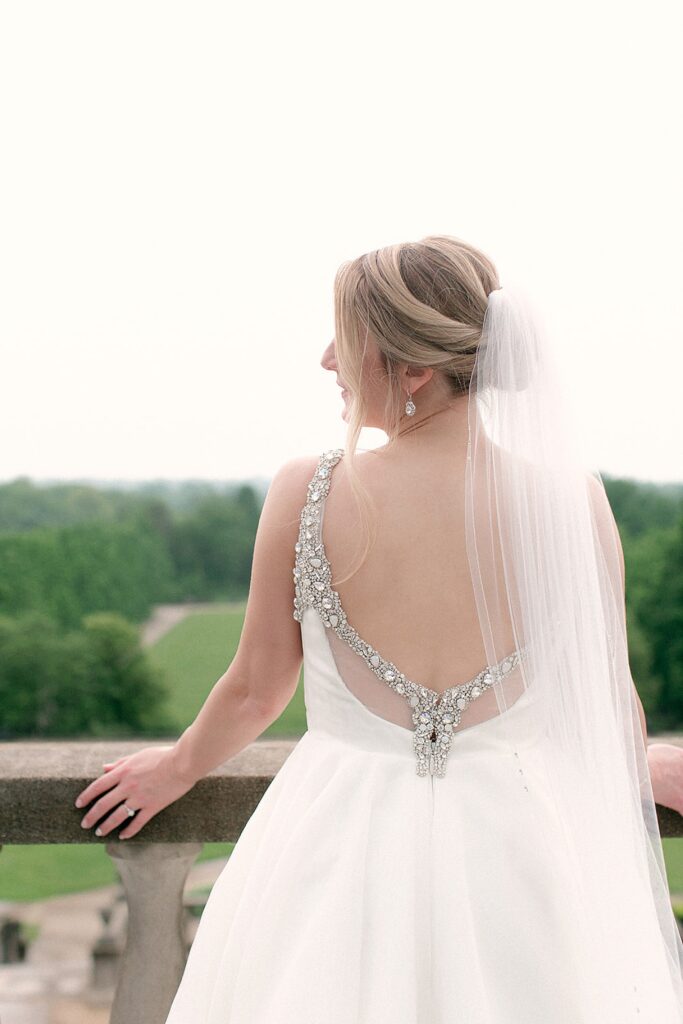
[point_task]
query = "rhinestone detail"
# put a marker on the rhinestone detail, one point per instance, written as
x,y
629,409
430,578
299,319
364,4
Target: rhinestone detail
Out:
x,y
434,714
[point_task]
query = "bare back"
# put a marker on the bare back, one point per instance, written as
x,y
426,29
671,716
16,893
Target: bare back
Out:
x,y
412,599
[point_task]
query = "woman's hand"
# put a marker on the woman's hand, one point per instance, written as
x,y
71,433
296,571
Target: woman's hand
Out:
x,y
146,781
665,761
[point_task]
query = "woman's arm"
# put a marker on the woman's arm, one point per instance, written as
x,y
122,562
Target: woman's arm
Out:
x,y
257,686
262,677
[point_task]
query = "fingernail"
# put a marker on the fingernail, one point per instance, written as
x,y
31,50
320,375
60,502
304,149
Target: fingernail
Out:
x,y
84,824
98,831
78,802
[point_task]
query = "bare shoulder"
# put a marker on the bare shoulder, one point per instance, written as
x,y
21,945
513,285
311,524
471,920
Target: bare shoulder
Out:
x,y
296,470
288,487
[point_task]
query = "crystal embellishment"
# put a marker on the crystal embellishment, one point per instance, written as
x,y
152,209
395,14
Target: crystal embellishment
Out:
x,y
435,715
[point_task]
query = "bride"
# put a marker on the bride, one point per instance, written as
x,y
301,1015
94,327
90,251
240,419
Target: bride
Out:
x,y
467,829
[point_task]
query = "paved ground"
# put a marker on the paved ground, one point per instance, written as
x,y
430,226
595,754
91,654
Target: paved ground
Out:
x,y
54,986
165,616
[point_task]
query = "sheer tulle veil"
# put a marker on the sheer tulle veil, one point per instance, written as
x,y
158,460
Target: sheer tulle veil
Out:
x,y
546,571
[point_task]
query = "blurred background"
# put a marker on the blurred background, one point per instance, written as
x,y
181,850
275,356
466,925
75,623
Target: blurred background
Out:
x,y
180,183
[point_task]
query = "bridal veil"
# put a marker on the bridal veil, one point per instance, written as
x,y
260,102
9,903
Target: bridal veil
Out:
x,y
546,569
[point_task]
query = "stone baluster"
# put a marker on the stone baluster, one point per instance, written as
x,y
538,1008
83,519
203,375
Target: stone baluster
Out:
x,y
153,877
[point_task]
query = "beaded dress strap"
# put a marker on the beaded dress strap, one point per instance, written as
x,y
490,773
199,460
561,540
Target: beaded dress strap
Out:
x,y
435,715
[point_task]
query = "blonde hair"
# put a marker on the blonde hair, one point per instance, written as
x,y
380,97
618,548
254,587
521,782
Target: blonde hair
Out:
x,y
424,303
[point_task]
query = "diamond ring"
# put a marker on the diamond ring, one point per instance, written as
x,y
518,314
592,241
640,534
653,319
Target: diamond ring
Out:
x,y
130,810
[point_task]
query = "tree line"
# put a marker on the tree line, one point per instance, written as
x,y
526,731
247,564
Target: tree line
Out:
x,y
81,565
79,570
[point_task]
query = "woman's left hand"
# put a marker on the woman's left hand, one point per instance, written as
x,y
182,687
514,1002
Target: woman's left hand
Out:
x,y
665,761
146,782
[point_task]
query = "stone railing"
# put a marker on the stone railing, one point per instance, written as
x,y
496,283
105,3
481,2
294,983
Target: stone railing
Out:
x,y
39,782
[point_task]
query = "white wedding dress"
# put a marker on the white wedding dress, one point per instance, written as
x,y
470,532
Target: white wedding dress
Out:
x,y
407,864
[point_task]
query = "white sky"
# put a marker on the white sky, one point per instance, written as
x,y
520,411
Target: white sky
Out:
x,y
181,181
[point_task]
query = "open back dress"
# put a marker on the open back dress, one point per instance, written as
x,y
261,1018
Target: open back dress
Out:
x,y
407,864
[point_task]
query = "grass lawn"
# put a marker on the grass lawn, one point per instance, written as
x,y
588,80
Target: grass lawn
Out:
x,y
196,653
673,857
37,872
192,656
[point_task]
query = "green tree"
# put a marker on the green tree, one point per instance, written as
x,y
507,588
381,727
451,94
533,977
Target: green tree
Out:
x,y
661,612
71,571
131,695
213,546
639,507
94,681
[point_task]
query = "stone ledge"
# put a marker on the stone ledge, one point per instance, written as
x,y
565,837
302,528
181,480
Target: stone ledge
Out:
x,y
39,781
670,822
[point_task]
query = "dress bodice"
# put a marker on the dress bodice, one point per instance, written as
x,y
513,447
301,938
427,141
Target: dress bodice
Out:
x,y
435,716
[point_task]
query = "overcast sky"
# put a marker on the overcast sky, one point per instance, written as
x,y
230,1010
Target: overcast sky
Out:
x,y
180,182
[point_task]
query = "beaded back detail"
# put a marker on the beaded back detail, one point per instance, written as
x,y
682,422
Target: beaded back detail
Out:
x,y
434,715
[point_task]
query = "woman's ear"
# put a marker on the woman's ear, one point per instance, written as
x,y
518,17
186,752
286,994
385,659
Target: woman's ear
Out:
x,y
415,377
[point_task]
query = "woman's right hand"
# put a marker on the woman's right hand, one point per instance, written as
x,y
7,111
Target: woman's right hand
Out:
x,y
145,781
665,761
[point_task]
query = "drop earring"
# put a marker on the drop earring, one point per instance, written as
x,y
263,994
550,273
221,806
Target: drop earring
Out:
x,y
410,406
